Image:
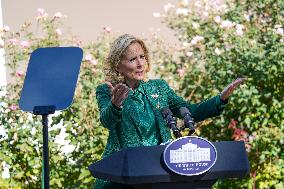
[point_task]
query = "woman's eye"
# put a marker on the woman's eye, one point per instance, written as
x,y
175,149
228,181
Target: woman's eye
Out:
x,y
132,60
142,56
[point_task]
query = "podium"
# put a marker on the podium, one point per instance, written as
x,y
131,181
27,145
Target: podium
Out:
x,y
143,167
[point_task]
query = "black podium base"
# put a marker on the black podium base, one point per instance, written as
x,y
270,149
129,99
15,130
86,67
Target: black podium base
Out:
x,y
180,185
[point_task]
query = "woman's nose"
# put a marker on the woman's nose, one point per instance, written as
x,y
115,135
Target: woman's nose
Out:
x,y
140,62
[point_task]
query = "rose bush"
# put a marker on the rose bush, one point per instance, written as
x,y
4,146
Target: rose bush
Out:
x,y
222,40
76,138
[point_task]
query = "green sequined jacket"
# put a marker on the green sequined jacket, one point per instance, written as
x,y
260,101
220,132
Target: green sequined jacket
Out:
x,y
159,95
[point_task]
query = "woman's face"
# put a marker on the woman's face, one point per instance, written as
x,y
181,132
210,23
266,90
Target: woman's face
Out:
x,y
133,65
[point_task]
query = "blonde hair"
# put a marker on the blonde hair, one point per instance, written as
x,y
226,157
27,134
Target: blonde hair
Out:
x,y
117,51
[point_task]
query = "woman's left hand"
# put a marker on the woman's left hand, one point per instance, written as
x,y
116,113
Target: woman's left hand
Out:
x,y
228,91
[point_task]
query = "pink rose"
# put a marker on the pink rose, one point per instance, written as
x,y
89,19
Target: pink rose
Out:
x,y
13,107
107,29
181,72
25,44
20,73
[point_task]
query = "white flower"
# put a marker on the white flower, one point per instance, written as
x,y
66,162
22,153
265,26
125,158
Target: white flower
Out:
x,y
168,6
239,29
184,3
218,51
88,57
185,44
33,131
195,25
205,14
94,61
217,19
279,31
57,15
58,32
189,54
182,11
156,15
196,39
227,24
198,4
67,149
6,172
6,28
1,43
247,17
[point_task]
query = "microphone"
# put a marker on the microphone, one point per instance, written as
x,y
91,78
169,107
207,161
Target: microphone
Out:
x,y
171,122
188,121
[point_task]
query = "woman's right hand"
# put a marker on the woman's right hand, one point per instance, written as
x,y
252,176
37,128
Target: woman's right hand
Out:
x,y
119,93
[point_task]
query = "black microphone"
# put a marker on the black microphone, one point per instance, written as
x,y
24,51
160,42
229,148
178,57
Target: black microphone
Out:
x,y
188,121
171,122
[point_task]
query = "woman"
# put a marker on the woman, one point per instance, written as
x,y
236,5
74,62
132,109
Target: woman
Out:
x,y
130,104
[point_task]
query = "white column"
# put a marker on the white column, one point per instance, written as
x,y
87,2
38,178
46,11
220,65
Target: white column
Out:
x,y
2,58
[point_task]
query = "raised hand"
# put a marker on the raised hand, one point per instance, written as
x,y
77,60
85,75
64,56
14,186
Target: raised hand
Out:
x,y
228,91
119,93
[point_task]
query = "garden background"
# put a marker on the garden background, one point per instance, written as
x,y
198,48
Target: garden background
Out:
x,y
219,41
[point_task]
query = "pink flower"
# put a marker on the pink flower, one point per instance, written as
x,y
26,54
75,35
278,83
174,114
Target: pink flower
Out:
x,y
57,15
181,72
13,41
88,57
20,73
58,32
40,12
107,29
13,107
232,124
25,44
